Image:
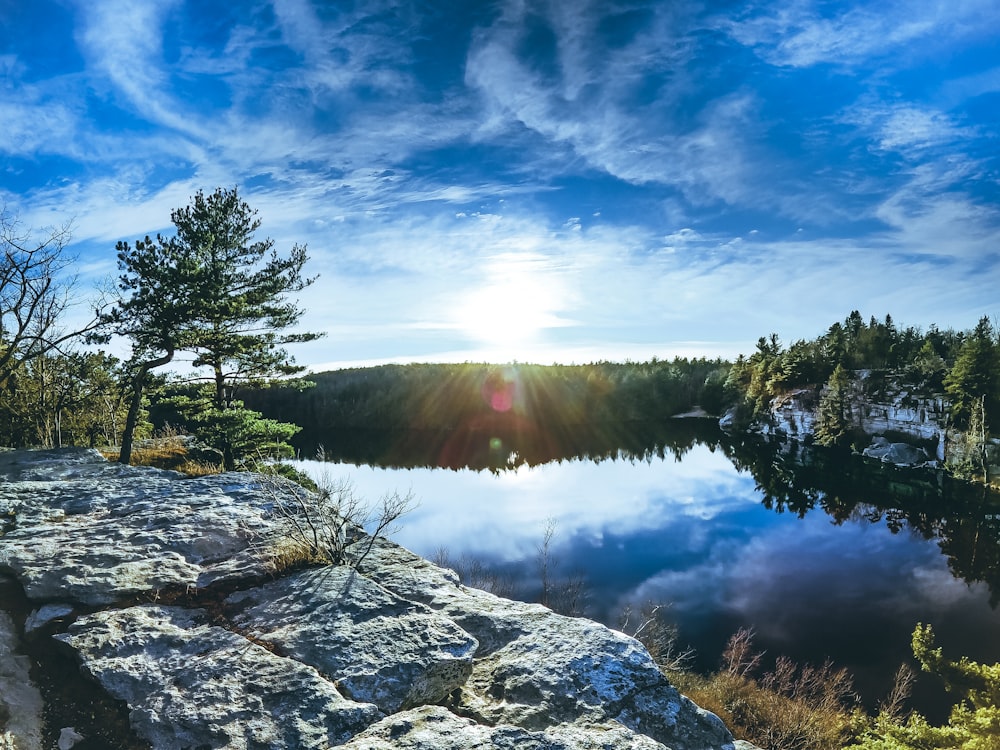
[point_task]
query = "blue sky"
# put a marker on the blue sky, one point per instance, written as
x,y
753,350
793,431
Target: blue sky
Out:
x,y
541,181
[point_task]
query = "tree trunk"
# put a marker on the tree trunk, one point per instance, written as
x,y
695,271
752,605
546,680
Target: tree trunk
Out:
x,y
138,382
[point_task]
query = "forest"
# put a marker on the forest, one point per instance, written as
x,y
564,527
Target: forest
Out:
x,y
81,396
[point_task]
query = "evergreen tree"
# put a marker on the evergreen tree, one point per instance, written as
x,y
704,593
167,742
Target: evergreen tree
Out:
x,y
974,375
974,723
215,292
833,424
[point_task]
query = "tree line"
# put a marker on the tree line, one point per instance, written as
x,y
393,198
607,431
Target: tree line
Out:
x,y
214,296
452,411
962,366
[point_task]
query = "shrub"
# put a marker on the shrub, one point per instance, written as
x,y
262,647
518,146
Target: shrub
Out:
x,y
974,723
325,527
791,707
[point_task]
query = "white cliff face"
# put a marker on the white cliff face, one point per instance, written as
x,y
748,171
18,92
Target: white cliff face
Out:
x,y
150,582
875,411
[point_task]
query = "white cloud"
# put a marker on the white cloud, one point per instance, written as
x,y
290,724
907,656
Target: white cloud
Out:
x,y
124,41
590,104
798,34
907,128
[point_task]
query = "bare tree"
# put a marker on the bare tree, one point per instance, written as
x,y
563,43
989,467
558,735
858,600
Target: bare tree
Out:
x,y
35,292
650,627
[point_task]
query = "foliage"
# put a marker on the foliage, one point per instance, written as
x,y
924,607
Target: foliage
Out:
x,y
43,399
57,399
975,375
214,292
853,344
791,707
833,423
974,723
247,436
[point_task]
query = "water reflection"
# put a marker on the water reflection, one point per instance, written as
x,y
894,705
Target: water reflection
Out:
x,y
824,560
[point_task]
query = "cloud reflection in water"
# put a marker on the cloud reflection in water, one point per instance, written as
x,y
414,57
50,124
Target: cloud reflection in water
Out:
x,y
695,534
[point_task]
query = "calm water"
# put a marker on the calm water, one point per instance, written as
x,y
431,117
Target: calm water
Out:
x,y
825,576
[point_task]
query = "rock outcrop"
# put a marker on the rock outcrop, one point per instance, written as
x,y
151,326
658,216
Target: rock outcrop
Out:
x,y
154,585
878,407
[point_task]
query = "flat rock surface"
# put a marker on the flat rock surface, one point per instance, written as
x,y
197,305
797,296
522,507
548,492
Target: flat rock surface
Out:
x,y
436,727
98,533
194,684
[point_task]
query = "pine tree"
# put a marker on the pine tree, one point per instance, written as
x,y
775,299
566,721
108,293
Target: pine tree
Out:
x,y
214,292
833,425
974,723
974,375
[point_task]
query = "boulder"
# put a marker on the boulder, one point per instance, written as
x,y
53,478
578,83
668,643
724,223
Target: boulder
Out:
x,y
898,454
535,667
190,684
376,647
436,727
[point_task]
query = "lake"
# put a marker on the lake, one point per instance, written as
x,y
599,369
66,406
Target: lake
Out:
x,y
822,560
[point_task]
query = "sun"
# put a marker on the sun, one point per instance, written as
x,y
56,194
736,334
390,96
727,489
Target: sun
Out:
x,y
510,311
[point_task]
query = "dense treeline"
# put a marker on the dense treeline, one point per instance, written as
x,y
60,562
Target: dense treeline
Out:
x,y
552,401
930,361
962,366
62,399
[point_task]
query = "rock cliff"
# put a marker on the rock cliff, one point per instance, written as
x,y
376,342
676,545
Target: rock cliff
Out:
x,y
150,585
878,407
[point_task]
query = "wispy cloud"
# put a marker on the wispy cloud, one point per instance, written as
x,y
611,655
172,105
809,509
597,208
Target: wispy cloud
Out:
x,y
805,33
908,129
659,182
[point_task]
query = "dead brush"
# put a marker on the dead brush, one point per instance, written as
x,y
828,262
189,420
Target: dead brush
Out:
x,y
791,707
333,526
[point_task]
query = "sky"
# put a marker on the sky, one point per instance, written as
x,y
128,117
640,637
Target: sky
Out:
x,y
561,181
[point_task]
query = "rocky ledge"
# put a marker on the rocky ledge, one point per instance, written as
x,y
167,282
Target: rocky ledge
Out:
x,y
151,585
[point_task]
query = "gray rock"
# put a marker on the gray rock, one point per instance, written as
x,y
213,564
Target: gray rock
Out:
x,y
20,702
436,728
100,537
68,737
535,668
899,454
45,614
377,647
314,658
189,683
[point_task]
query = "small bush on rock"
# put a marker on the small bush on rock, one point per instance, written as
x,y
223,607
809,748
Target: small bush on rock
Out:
x,y
332,526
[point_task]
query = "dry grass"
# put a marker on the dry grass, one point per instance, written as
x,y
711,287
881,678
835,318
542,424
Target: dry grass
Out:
x,y
198,468
791,707
285,553
169,452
